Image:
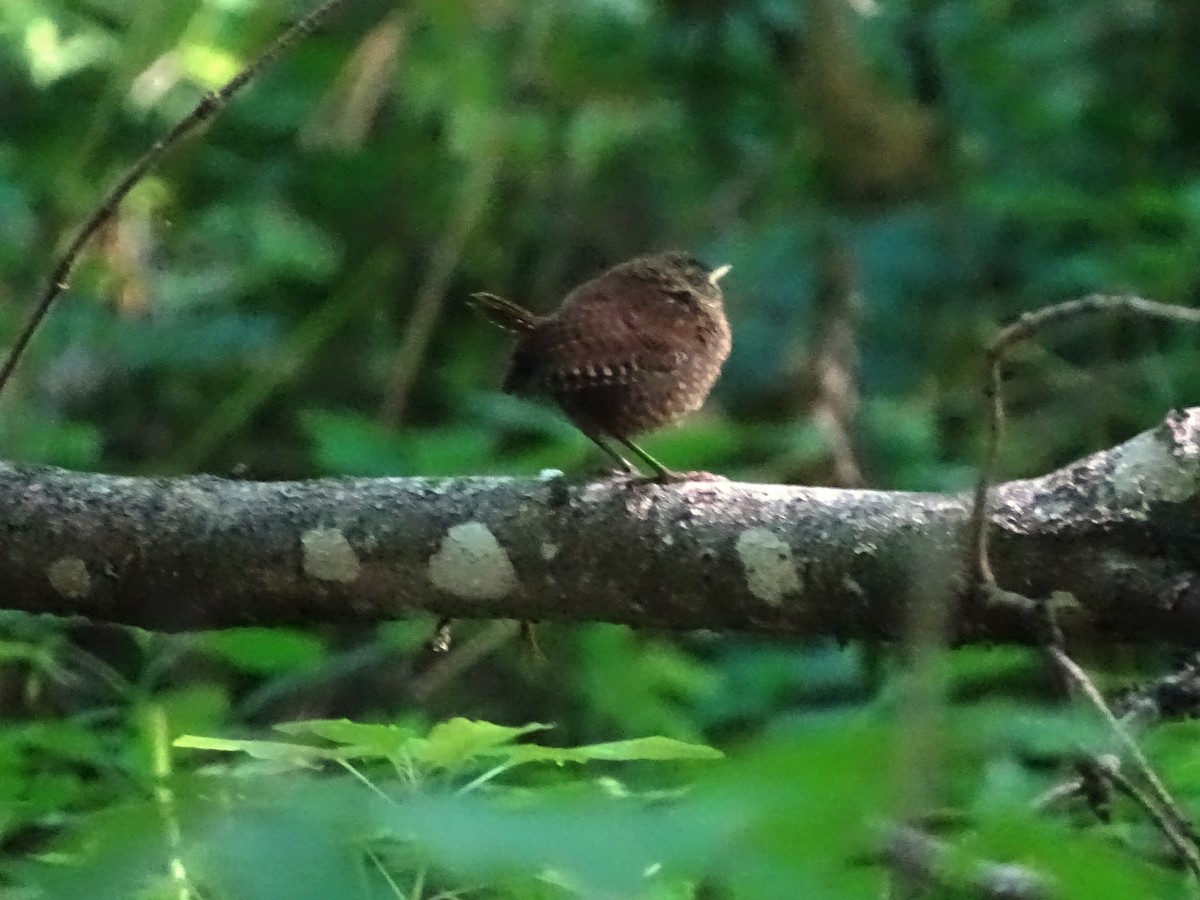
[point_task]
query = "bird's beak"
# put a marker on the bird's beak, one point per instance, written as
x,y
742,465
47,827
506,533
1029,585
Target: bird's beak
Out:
x,y
718,273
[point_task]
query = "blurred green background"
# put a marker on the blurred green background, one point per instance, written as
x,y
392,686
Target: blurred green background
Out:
x,y
283,298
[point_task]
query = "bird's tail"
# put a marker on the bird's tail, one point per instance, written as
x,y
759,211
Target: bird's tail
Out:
x,y
505,313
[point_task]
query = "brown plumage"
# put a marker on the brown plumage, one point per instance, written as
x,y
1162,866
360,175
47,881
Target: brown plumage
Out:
x,y
633,349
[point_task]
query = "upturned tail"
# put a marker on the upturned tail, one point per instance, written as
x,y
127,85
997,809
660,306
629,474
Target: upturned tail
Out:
x,y
505,313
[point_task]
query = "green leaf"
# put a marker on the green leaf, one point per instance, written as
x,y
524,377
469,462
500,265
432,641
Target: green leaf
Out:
x,y
455,450
273,751
642,685
647,748
351,444
452,744
1029,729
197,708
265,650
73,445
356,738
601,129
615,848
1175,747
300,851
50,55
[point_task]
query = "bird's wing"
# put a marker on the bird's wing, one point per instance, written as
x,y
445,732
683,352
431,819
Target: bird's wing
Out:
x,y
599,347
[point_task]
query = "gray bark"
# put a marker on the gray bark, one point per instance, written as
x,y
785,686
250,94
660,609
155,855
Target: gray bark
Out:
x,y
1119,530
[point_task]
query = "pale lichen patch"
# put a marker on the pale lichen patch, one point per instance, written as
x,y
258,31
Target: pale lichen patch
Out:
x,y
1145,471
549,551
767,560
471,563
328,555
69,576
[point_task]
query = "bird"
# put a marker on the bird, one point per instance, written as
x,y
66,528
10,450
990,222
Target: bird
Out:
x,y
635,348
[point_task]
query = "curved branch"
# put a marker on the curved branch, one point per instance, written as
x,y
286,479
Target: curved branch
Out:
x,y
1119,530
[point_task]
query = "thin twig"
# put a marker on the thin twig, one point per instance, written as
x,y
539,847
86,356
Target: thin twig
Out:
x,y
391,882
1052,796
978,566
1184,846
1134,753
210,104
1169,697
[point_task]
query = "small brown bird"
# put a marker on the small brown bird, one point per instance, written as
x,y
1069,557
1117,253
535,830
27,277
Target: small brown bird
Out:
x,y
635,348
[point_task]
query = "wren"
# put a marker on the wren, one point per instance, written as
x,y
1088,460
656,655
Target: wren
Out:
x,y
635,348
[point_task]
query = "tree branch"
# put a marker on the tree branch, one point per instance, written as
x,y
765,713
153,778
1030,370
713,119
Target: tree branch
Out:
x,y
1119,530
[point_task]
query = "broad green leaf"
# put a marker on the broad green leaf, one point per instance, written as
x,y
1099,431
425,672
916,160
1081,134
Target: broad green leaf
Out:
x,y
357,738
452,744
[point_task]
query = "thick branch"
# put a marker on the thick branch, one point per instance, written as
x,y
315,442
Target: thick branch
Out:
x,y
1119,530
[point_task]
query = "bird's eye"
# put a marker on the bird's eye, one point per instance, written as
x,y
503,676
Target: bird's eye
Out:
x,y
697,264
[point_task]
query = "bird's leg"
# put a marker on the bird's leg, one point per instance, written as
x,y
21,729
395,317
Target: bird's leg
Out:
x,y
662,474
625,465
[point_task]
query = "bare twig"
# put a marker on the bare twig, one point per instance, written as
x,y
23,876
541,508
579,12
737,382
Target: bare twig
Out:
x,y
978,565
1160,818
982,579
1172,696
209,106
1163,811
1181,830
1060,792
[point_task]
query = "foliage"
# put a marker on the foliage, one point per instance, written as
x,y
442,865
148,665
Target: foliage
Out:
x,y
251,313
